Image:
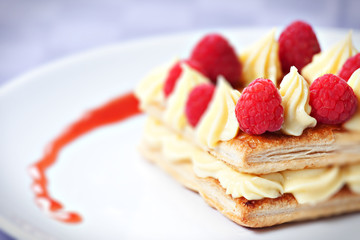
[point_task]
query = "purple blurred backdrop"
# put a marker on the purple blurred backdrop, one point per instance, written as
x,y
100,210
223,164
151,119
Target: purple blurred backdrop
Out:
x,y
33,32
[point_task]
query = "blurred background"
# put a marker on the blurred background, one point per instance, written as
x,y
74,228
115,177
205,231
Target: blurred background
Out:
x,y
34,32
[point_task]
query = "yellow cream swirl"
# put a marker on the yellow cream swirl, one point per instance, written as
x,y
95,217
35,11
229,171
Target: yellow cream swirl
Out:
x,y
354,82
150,90
330,61
294,91
307,186
175,107
313,185
219,122
262,60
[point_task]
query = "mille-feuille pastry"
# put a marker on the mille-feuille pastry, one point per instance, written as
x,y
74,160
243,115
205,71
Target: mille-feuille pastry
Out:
x,y
278,150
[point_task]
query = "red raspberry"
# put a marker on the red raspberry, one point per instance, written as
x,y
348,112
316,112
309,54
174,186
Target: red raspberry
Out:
x,y
175,72
197,102
332,100
218,57
297,46
259,108
349,67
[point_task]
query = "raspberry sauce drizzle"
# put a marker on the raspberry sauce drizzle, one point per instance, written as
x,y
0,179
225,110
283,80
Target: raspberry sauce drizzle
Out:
x,y
116,110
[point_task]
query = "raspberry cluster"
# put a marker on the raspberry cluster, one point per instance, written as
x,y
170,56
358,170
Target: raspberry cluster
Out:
x,y
259,107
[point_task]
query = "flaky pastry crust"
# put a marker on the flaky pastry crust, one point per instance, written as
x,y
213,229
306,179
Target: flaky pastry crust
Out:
x,y
252,213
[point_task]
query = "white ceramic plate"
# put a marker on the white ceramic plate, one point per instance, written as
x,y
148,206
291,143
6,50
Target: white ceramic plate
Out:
x,y
101,175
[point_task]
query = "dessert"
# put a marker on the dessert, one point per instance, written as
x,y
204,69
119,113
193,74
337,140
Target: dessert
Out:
x,y
269,146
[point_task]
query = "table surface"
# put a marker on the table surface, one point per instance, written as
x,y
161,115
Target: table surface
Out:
x,y
35,32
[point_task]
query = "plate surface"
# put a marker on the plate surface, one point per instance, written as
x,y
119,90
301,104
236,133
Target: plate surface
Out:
x,y
101,175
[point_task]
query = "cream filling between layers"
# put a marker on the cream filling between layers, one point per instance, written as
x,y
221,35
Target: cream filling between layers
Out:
x,y
307,186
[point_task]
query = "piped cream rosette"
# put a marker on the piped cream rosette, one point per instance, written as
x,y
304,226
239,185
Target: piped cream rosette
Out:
x,y
295,95
330,61
261,60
